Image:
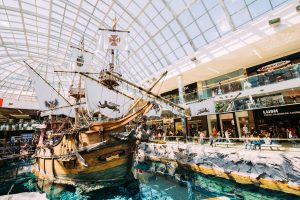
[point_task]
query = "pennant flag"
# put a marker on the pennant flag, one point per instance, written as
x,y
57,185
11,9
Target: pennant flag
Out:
x,y
1,102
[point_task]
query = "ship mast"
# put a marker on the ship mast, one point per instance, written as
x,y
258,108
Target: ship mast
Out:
x,y
78,92
108,80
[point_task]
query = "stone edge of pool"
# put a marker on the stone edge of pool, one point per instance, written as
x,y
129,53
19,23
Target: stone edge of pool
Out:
x,y
272,170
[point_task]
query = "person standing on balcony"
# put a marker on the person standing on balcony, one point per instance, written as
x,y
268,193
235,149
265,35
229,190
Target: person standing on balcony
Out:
x,y
220,91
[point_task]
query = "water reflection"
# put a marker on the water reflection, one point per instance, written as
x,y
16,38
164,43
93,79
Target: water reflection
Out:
x,y
154,180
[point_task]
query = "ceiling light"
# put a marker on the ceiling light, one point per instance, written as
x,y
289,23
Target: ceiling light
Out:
x,y
213,70
274,22
256,53
194,59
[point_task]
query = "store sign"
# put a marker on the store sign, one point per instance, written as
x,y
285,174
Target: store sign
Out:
x,y
202,108
274,66
270,112
278,111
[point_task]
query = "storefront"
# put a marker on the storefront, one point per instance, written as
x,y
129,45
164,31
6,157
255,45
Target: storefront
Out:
x,y
197,123
168,125
213,122
178,125
227,121
244,121
155,125
278,119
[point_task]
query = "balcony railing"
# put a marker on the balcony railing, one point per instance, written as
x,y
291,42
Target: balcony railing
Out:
x,y
275,76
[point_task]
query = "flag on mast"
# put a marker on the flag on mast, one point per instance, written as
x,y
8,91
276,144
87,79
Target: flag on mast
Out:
x,y
113,40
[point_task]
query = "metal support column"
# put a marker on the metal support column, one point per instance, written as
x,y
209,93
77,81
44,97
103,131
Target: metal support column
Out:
x,y
181,102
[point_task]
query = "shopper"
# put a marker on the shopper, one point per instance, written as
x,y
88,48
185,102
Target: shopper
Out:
x,y
202,136
227,134
247,142
291,136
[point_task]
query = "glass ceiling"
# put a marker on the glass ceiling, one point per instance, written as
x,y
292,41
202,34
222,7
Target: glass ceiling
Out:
x,y
161,32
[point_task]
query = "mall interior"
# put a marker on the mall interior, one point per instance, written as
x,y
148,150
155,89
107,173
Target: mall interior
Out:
x,y
201,96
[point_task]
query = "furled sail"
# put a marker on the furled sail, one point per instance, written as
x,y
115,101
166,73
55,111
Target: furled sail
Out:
x,y
106,101
50,102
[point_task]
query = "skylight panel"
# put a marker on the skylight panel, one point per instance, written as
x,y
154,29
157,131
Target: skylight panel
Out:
x,y
217,14
241,17
152,28
199,41
210,4
259,7
158,4
42,11
144,19
177,6
98,14
173,43
278,2
151,44
193,30
125,3
133,8
167,15
68,21
188,48
179,53
211,34
249,1
56,16
185,18
152,57
14,18
29,7
146,49
223,27
204,23
11,3
175,26
69,14
159,22
150,11
158,54
159,39
165,48
182,37
197,9
234,6
171,57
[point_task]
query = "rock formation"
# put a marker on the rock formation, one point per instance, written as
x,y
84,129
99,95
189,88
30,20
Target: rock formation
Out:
x,y
275,170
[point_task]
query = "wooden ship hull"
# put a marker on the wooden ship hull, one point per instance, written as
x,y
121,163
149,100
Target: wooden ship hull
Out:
x,y
100,155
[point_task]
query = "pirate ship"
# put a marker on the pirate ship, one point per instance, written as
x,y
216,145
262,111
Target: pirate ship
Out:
x,y
98,152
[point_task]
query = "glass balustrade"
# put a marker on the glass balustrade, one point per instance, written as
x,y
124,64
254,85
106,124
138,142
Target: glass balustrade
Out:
x,y
275,76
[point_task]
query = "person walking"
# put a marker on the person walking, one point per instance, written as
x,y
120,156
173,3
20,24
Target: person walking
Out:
x,y
227,134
